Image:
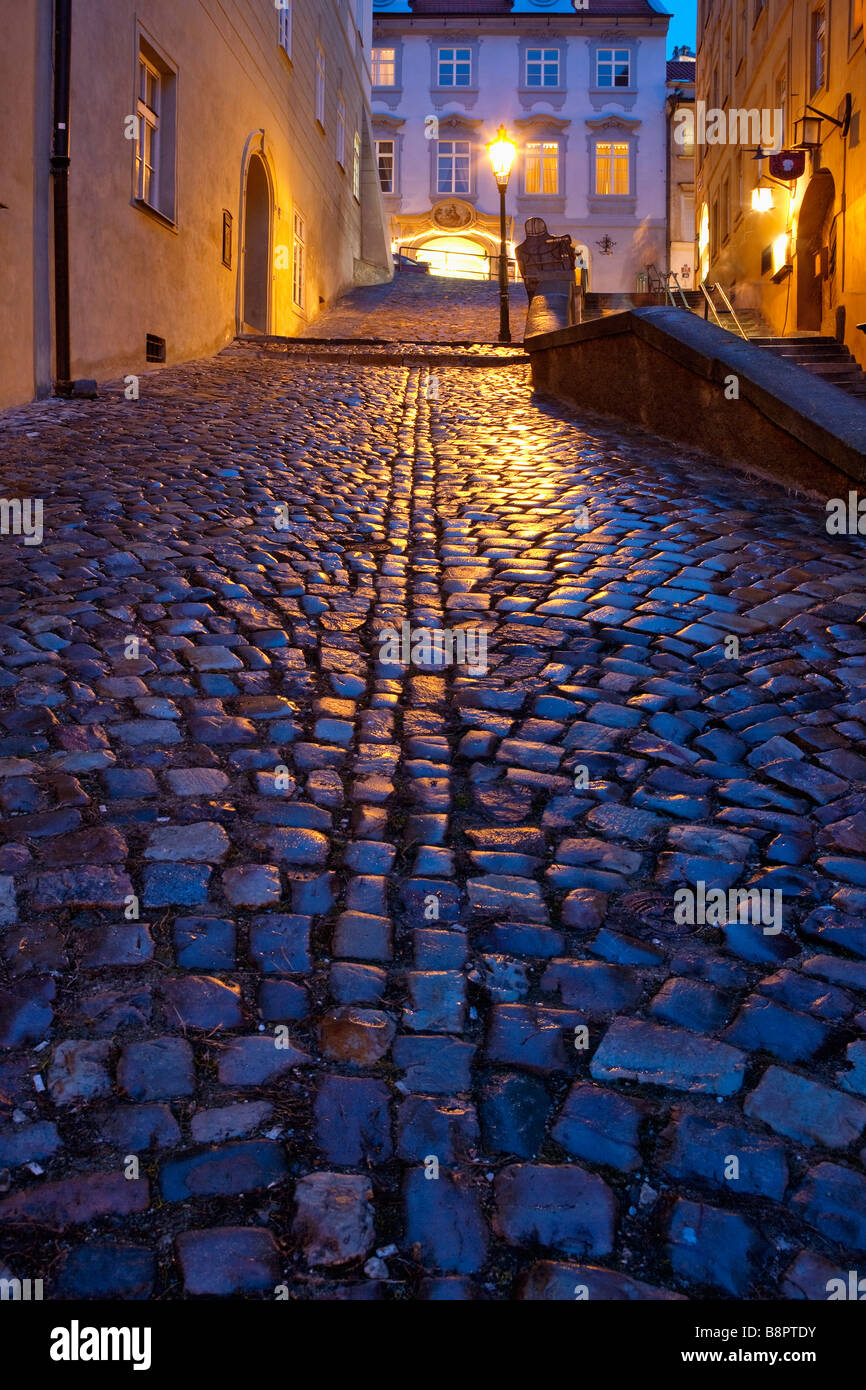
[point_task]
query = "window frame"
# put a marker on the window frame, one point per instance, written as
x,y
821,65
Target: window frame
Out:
x,y
611,142
321,79
542,62
453,192
299,260
159,198
816,86
341,131
687,149
781,80
356,165
387,140
284,26
742,34
613,86
148,120
456,61
375,66
542,145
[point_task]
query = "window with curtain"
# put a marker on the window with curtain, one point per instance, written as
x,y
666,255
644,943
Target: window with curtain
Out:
x,y
384,67
452,174
611,168
542,166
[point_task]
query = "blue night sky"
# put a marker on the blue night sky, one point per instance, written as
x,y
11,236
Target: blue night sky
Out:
x,y
683,25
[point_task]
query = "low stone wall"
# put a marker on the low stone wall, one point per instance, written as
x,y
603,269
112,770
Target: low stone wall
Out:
x,y
692,382
554,305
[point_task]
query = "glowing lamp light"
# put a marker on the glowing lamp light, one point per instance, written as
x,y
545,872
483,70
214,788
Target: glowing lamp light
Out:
x,y
762,199
502,152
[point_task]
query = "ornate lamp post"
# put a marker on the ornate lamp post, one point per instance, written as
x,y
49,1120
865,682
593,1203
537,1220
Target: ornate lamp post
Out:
x,y
502,152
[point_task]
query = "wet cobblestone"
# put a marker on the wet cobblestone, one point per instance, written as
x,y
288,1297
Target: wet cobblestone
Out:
x,y
373,969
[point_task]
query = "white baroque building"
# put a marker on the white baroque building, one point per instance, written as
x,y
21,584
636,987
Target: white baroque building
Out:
x,y
580,87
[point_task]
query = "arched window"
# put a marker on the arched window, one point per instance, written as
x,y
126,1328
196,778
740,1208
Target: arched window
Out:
x,y
704,242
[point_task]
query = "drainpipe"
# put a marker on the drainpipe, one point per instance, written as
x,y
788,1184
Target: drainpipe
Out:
x,y
669,109
60,177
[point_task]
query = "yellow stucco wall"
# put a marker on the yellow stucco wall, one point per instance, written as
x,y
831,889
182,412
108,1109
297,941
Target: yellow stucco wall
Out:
x,y
131,273
778,41
18,57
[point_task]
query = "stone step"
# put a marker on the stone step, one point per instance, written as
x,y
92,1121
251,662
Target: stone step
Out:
x,y
823,357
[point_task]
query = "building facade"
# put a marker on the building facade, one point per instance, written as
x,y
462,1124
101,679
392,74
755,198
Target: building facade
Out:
x,y
794,249
580,89
221,178
681,167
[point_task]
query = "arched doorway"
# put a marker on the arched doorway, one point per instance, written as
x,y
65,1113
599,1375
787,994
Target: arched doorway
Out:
x,y
455,256
256,247
582,263
815,256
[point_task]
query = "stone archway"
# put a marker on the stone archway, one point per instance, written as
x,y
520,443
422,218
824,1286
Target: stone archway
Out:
x,y
814,268
462,256
256,266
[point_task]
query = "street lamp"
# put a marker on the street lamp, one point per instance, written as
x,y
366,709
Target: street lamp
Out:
x,y
502,152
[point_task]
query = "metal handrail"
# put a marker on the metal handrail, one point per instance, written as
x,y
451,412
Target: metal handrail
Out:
x,y
405,247
711,304
663,282
730,308
680,290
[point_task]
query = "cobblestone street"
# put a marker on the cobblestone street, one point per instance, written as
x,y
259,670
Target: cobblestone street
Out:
x,y
356,979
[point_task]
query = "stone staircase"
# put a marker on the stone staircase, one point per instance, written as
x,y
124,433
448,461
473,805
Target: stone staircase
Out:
x,y
823,357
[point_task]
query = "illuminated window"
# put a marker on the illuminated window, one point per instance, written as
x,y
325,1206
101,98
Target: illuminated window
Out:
x,y
704,242
452,166
542,67
356,166
455,67
611,168
613,67
384,67
542,167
